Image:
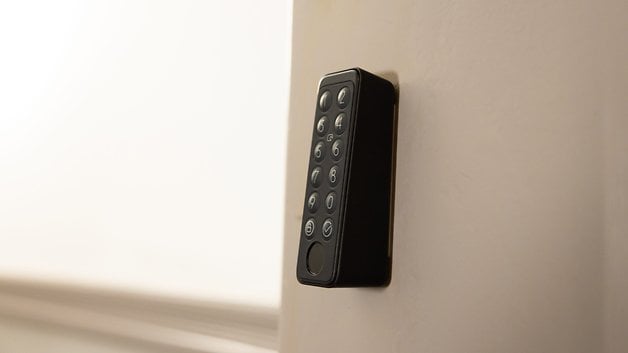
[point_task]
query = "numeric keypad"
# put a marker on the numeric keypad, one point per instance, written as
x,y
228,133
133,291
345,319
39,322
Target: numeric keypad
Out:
x,y
347,205
327,159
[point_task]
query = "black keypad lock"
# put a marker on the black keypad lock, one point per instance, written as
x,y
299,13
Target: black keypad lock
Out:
x,y
347,214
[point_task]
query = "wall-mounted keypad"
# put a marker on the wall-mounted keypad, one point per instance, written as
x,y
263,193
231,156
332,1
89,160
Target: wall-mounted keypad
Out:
x,y
346,211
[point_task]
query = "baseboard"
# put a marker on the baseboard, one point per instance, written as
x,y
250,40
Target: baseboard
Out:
x,y
176,325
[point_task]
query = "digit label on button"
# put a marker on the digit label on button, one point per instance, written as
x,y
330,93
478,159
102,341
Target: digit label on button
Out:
x,y
312,202
319,151
336,149
339,123
343,97
315,177
321,126
333,175
308,229
330,202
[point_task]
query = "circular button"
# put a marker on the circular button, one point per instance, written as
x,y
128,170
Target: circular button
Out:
x,y
312,202
328,228
315,258
343,97
319,151
309,227
330,202
336,149
321,126
324,102
333,175
315,177
339,123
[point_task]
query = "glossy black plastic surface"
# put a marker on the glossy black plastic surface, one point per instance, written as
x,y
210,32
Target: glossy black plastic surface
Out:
x,y
345,238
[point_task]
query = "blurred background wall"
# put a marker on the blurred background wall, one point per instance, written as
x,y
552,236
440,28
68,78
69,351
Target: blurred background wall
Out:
x,y
142,150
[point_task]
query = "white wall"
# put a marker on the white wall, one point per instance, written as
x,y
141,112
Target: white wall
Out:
x,y
142,145
510,231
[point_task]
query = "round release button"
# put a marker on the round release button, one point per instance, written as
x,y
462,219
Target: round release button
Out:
x,y
315,258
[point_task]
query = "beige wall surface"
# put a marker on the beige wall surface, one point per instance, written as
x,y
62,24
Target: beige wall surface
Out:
x,y
510,227
24,337
615,112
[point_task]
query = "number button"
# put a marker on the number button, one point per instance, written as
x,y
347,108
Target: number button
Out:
x,y
339,124
336,150
324,103
328,228
319,151
315,177
312,202
333,176
330,202
343,97
321,126
308,228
